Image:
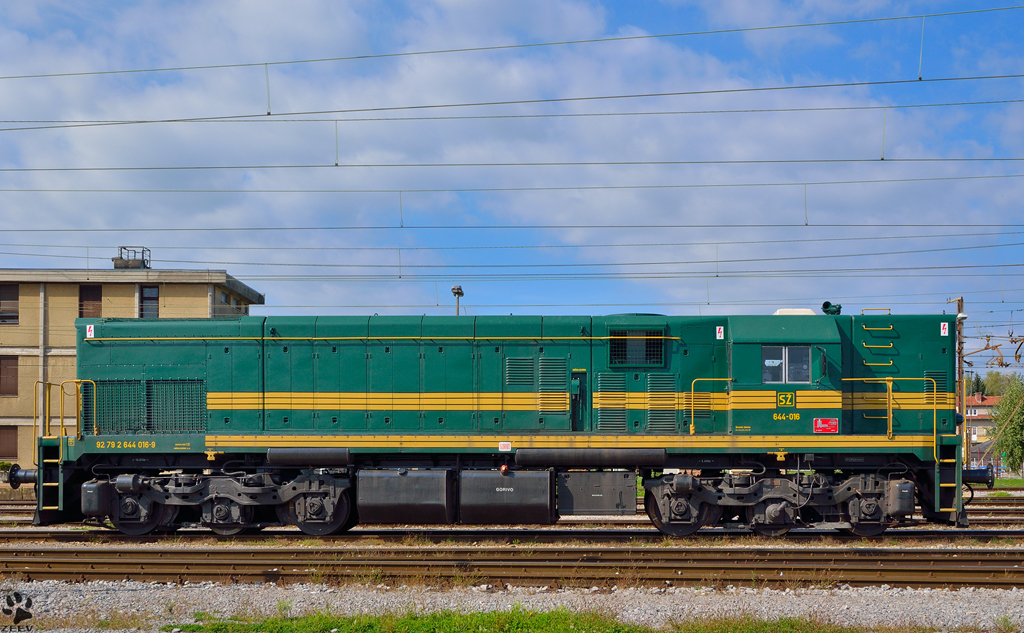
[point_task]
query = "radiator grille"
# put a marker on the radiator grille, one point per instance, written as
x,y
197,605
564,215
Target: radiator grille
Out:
x,y
176,406
636,347
120,407
158,406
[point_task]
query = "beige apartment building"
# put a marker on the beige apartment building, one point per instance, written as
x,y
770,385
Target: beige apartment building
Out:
x,y
38,309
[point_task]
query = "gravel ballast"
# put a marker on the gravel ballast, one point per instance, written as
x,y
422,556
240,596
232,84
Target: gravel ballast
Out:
x,y
147,606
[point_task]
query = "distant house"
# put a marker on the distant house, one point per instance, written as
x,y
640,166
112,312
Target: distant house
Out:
x,y
978,418
978,415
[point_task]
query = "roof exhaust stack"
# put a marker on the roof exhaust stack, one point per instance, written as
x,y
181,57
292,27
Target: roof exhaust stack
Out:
x,y
831,309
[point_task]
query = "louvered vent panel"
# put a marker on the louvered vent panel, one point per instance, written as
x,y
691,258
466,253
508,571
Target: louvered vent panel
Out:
x,y
939,389
611,416
701,405
554,391
519,371
661,403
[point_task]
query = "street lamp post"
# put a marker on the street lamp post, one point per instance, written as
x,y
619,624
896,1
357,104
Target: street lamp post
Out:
x,y
457,291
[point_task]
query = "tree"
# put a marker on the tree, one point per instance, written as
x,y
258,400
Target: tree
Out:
x,y
995,383
977,386
1008,417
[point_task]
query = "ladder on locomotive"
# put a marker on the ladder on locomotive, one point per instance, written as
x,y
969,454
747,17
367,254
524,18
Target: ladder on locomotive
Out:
x,y
931,395
50,454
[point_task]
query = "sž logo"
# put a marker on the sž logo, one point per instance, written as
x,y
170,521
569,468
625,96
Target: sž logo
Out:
x,y
17,605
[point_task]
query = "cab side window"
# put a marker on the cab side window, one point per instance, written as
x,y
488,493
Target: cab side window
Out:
x,y
773,368
790,364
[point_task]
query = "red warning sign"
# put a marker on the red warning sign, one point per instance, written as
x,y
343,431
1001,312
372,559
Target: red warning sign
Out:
x,y
826,425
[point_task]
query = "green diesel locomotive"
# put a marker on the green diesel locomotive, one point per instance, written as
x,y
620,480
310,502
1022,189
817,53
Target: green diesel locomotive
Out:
x,y
768,422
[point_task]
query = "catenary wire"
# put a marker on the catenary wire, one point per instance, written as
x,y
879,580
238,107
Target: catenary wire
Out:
x,y
558,265
500,47
527,189
66,124
716,91
666,274
530,246
507,227
623,163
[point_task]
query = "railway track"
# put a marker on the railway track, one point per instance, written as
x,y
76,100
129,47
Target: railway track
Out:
x,y
982,512
527,565
518,535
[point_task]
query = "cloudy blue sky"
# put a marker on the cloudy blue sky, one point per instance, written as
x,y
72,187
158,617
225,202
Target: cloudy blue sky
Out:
x,y
727,167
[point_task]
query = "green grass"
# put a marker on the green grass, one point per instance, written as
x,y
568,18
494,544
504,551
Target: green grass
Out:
x,y
518,620
1009,483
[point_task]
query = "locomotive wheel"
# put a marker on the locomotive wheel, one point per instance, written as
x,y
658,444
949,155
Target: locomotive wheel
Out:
x,y
338,522
866,530
675,529
166,525
232,529
769,530
764,529
154,517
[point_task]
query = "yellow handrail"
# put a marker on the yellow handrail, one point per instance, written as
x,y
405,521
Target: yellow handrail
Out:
x,y
876,346
876,329
78,404
693,420
867,364
888,380
887,310
45,426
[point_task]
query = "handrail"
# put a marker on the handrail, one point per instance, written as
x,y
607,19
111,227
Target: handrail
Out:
x,y
876,329
693,420
876,346
935,429
887,310
45,420
78,404
867,364
888,380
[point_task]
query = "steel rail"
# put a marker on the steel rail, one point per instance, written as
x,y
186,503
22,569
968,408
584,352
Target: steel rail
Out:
x,y
575,566
276,537
981,512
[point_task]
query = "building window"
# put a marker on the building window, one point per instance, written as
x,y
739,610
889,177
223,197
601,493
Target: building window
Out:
x,y
149,304
8,375
9,443
636,347
90,302
8,304
785,364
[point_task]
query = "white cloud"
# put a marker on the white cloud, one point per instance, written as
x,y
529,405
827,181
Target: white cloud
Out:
x,y
60,37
